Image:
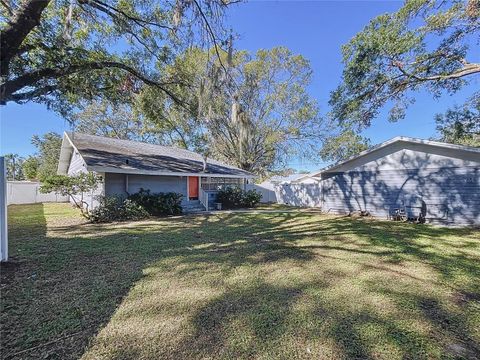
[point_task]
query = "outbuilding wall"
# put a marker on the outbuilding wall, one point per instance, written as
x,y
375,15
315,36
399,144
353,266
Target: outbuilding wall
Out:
x,y
450,195
445,183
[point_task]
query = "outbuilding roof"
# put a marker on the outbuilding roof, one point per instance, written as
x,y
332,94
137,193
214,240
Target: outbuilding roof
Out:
x,y
102,154
398,139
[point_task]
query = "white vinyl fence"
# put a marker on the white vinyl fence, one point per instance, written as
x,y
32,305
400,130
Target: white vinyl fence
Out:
x,y
28,192
304,195
267,191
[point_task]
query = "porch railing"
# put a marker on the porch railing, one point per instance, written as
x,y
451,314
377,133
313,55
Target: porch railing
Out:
x,y
203,197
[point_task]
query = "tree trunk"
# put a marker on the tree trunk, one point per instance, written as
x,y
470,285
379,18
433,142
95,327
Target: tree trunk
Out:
x,y
26,18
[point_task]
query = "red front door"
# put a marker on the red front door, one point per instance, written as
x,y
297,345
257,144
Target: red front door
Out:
x,y
193,187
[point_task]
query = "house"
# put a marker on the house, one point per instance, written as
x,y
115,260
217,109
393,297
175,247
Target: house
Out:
x,y
436,181
127,166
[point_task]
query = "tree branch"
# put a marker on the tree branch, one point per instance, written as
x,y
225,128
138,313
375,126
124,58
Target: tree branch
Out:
x,y
212,35
26,18
467,69
7,7
9,88
99,5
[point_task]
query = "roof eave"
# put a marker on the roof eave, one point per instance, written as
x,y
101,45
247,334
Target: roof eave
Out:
x,y
105,169
396,139
66,152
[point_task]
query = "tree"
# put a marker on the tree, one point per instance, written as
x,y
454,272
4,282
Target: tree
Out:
x,y
59,52
423,46
460,125
48,147
13,163
273,118
175,124
255,115
120,121
343,146
74,187
30,167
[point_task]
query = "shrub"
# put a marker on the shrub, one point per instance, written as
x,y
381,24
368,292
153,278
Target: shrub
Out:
x,y
158,204
234,197
71,186
251,198
114,208
230,197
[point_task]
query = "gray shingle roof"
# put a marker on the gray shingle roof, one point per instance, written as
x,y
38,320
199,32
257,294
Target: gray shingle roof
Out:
x,y
405,139
102,152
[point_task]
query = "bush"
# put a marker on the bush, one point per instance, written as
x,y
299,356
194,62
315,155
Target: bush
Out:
x,y
251,198
114,208
158,204
234,197
230,197
72,185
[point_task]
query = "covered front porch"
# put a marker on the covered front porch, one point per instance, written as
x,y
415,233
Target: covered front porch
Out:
x,y
203,190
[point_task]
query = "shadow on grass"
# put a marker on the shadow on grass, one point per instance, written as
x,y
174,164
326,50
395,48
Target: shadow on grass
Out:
x,y
72,280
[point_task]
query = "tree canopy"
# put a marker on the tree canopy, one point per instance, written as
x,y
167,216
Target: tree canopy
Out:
x,y
14,167
59,52
48,153
256,115
111,119
345,144
174,123
74,186
423,46
30,167
460,125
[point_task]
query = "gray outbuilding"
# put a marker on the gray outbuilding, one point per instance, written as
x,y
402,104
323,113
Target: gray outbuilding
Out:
x,y
417,179
434,180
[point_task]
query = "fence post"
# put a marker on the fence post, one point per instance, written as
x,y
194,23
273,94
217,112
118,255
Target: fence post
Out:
x,y
3,211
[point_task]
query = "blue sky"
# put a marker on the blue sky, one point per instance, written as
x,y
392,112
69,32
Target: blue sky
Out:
x,y
315,29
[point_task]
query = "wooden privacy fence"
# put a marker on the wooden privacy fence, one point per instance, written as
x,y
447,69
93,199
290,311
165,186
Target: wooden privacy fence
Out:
x,y
28,192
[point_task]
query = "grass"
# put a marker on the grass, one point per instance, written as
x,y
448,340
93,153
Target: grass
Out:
x,y
234,286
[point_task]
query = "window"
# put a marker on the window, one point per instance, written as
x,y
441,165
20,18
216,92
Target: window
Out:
x,y
218,183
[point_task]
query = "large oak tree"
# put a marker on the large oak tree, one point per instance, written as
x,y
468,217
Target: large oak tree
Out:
x,y
59,52
427,45
251,110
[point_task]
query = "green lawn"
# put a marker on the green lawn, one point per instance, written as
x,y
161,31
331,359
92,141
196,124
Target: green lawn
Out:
x,y
235,286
